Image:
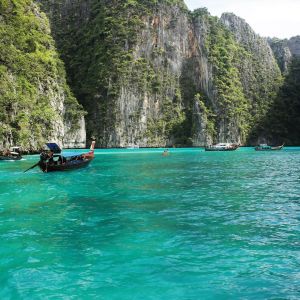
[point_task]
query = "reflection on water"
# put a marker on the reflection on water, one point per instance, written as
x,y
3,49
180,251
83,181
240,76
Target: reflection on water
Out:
x,y
138,225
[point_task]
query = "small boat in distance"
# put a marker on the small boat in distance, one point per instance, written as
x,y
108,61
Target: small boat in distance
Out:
x,y
13,154
133,147
265,147
54,159
222,147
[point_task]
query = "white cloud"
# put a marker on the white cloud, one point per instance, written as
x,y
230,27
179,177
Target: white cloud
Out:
x,y
267,17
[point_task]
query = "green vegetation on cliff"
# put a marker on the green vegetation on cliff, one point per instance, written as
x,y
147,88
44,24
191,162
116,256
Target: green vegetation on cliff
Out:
x,y
146,71
98,50
245,76
225,55
283,121
32,78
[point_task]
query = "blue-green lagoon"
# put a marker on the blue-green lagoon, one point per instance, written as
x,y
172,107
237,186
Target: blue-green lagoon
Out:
x,y
137,225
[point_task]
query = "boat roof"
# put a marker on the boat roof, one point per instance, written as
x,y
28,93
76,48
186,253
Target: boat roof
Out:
x,y
53,147
68,154
222,145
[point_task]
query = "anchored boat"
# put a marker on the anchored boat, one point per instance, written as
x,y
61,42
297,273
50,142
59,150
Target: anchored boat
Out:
x,y
13,154
265,147
222,147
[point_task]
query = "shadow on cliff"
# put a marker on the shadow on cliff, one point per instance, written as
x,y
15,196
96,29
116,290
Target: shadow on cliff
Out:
x,y
282,122
189,88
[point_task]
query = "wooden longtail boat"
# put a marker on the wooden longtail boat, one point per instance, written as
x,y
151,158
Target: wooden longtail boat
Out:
x,y
13,154
265,147
222,147
55,160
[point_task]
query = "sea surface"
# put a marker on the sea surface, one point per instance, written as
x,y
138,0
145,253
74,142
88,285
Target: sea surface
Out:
x,y
137,225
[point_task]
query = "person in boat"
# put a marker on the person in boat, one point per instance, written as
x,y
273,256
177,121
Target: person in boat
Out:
x,y
60,160
6,152
43,155
50,158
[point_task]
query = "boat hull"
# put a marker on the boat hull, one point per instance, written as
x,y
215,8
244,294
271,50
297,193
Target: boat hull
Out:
x,y
10,157
215,149
55,161
268,149
72,165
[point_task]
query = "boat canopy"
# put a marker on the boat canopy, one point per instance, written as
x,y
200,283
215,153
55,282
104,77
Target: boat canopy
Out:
x,y
221,145
14,153
53,147
70,154
15,148
264,146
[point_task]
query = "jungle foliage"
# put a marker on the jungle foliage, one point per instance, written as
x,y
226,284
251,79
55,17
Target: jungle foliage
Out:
x,y
98,41
245,87
31,76
282,124
98,49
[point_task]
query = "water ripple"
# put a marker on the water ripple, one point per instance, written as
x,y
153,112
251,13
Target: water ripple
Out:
x,y
136,225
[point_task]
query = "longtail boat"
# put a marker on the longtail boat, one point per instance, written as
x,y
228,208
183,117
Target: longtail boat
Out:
x,y
13,154
222,147
265,147
55,160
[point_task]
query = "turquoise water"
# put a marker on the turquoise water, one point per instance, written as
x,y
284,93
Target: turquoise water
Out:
x,y
136,225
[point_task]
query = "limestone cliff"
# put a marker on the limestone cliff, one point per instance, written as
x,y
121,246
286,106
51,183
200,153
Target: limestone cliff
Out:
x,y
128,76
152,73
259,72
294,45
283,123
284,50
36,104
281,52
237,74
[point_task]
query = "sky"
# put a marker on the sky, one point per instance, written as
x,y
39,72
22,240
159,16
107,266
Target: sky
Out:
x,y
268,18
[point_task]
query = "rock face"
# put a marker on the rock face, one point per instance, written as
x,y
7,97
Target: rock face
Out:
x,y
74,137
148,73
237,74
162,46
154,74
257,46
282,53
258,69
284,115
294,45
130,81
285,50
36,103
